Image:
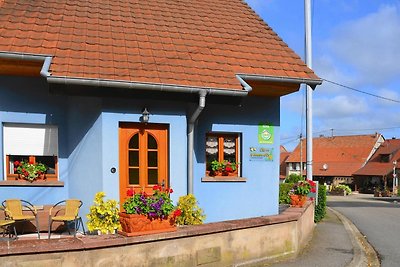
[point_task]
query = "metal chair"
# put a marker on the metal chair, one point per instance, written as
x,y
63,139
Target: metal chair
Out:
x,y
14,210
70,214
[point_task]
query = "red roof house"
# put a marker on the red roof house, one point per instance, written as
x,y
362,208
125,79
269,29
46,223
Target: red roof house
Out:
x,y
338,157
143,93
378,172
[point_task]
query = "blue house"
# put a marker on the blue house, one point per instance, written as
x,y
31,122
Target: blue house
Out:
x,y
119,94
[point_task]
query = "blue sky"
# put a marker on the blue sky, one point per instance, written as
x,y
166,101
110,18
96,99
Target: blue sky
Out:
x,y
355,43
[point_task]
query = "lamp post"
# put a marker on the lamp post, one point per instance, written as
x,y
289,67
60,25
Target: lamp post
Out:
x,y
394,178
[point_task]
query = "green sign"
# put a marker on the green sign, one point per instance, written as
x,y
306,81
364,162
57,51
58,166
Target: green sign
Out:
x,y
265,134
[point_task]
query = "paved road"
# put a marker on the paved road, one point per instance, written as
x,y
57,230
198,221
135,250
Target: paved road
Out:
x,y
378,220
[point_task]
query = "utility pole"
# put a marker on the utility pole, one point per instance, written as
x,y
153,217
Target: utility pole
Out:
x,y
301,156
308,57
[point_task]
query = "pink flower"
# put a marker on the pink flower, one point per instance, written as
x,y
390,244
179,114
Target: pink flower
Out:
x,y
16,163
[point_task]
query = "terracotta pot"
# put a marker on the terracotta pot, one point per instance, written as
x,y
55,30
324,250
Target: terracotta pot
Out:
x,y
298,200
134,225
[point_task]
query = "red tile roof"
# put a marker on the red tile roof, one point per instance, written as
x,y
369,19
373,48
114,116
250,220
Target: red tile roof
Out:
x,y
193,43
343,155
375,166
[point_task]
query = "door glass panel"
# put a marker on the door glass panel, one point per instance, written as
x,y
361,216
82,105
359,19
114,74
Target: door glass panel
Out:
x,y
133,158
134,142
152,158
230,149
152,176
134,176
151,142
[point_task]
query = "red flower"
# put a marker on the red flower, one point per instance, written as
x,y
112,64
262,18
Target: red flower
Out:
x,y
170,190
177,213
313,190
15,169
31,162
130,192
312,183
157,187
16,163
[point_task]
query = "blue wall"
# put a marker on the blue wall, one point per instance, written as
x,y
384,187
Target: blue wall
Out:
x,y
89,147
259,194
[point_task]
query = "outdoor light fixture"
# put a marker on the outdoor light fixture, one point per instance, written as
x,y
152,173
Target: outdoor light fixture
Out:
x,y
145,116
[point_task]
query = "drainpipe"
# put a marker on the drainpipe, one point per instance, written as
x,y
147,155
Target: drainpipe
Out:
x,y
46,66
190,144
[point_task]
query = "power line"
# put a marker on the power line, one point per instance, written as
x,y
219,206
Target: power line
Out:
x,y
360,91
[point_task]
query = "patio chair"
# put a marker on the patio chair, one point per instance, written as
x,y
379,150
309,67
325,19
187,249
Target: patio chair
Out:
x,y
7,226
70,214
14,210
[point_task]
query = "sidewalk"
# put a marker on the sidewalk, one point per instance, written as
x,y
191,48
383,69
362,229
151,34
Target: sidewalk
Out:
x,y
336,243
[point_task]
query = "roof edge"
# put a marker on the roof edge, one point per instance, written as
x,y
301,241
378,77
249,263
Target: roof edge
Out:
x,y
145,86
30,57
252,77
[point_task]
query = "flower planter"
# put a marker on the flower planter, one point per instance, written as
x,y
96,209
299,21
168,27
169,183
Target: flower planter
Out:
x,y
298,200
134,225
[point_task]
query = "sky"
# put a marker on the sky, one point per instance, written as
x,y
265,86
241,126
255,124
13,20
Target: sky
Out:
x,y
355,43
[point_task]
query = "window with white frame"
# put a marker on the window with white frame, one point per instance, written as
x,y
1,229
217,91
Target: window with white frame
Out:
x,y
35,143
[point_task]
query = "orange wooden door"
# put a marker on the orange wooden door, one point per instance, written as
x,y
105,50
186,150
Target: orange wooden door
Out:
x,y
143,152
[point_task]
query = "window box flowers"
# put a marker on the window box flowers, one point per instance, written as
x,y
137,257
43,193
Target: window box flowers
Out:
x,y
223,168
300,190
30,171
148,214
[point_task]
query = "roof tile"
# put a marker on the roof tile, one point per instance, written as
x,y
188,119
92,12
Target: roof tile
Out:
x,y
199,43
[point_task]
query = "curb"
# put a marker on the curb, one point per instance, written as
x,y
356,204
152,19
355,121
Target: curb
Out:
x,y
364,253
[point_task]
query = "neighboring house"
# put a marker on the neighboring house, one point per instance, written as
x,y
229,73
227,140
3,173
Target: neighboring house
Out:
x,y
336,158
120,94
378,172
284,154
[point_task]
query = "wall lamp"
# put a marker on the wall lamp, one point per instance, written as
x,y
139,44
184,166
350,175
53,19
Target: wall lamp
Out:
x,y
145,116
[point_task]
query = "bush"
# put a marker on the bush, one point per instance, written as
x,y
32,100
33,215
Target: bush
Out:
x,y
293,178
284,193
104,215
342,188
320,208
191,213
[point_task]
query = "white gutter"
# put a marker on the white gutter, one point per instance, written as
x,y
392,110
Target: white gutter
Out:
x,y
311,82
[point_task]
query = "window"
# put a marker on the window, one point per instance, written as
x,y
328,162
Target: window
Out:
x,y
385,157
222,147
290,167
30,142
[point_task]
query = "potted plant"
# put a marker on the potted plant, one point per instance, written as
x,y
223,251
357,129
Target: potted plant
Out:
x,y
30,171
148,214
224,168
104,215
298,193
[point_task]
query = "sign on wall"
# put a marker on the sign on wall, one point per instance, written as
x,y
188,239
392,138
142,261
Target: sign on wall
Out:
x,y
265,133
261,154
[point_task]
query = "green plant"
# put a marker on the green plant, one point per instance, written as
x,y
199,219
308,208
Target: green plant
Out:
x,y
320,208
224,167
192,214
284,193
157,205
342,188
103,215
29,171
303,188
293,178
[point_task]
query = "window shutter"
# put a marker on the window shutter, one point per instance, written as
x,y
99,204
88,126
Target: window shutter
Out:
x,y
30,139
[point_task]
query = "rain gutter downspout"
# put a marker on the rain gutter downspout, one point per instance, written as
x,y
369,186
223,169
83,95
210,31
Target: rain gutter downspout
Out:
x,y
45,68
190,149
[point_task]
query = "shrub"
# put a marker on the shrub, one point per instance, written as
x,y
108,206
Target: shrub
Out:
x,y
342,188
320,208
284,189
191,213
293,178
104,215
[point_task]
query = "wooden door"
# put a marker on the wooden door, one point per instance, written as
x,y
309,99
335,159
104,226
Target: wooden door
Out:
x,y
143,152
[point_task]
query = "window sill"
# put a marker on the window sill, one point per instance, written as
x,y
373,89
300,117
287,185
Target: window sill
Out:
x,y
33,184
223,179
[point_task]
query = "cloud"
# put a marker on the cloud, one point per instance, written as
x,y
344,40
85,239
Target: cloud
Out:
x,y
371,44
340,106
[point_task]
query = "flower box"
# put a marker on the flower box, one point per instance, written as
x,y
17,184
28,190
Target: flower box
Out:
x,y
137,224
